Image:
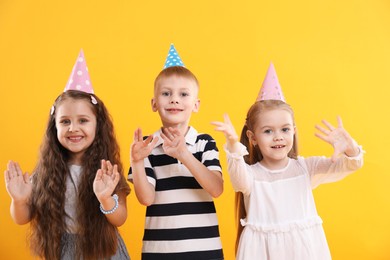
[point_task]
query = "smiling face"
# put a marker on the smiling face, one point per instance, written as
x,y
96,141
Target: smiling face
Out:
x,y
274,135
175,99
76,127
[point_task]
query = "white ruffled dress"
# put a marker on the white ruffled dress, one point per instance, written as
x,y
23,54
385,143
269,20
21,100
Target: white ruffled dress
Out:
x,y
282,220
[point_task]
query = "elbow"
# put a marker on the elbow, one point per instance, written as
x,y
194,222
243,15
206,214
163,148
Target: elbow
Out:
x,y
21,221
146,201
215,193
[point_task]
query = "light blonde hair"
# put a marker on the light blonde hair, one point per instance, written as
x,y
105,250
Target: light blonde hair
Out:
x,y
178,71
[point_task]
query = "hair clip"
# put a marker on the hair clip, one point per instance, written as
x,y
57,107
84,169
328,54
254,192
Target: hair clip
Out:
x,y
93,100
52,109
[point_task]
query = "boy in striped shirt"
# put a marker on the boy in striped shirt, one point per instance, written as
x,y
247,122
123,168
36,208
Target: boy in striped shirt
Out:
x,y
176,173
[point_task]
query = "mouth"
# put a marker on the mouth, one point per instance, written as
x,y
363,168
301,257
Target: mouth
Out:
x,y
75,139
174,110
278,146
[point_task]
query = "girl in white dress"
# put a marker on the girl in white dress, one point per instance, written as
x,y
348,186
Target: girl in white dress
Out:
x,y
274,200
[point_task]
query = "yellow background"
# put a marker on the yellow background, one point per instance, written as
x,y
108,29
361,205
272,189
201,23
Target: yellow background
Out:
x,y
332,58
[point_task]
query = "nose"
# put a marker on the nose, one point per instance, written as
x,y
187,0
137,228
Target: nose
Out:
x,y
278,137
72,127
174,100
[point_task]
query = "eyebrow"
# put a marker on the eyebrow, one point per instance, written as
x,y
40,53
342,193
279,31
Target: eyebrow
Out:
x,y
266,126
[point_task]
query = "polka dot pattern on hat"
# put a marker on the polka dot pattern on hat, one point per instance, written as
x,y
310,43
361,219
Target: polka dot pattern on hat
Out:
x,y
173,58
79,78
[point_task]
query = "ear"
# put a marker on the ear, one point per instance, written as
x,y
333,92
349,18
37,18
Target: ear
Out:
x,y
196,106
251,137
153,104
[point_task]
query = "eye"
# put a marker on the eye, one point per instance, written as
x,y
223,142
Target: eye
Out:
x,y
65,122
84,120
285,129
165,93
267,131
184,94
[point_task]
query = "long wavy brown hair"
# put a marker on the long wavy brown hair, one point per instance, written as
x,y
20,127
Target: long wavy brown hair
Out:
x,y
96,238
254,153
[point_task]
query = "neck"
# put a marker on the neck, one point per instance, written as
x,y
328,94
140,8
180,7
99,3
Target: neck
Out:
x,y
75,159
274,164
183,128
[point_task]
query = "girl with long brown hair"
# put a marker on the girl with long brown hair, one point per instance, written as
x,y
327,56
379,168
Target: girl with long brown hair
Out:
x,y
76,197
78,171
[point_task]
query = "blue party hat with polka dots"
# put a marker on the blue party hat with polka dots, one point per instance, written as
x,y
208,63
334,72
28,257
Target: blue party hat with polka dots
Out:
x,y
173,58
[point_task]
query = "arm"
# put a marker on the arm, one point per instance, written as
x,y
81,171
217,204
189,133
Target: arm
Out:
x,y
175,146
107,178
19,188
140,149
238,170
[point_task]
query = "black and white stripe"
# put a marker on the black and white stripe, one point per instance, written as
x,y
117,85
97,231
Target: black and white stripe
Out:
x,y
182,222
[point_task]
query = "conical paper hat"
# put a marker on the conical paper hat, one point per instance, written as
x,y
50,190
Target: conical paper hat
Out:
x,y
79,78
173,58
271,87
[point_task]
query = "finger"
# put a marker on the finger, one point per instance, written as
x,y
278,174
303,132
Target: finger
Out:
x,y
321,137
227,119
103,166
339,122
7,176
18,169
175,132
99,174
323,130
26,178
109,168
148,139
115,171
116,179
216,123
154,141
164,137
135,136
167,132
139,133
11,169
329,125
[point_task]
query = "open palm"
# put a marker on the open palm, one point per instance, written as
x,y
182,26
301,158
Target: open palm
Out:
x,y
18,185
107,177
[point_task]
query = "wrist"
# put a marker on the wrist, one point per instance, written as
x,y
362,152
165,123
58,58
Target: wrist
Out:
x,y
110,205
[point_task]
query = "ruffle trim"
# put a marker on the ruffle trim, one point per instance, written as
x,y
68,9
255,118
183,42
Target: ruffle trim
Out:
x,y
282,228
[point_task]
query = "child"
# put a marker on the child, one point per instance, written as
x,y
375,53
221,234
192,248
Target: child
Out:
x,y
79,169
176,173
275,203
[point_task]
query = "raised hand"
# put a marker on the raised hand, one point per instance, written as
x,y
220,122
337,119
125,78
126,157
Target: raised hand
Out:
x,y
106,179
227,128
339,138
140,148
18,185
174,142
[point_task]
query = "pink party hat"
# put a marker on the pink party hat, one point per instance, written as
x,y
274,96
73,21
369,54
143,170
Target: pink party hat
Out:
x,y
271,88
79,79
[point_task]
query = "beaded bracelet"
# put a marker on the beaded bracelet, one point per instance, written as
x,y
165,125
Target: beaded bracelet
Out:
x,y
105,212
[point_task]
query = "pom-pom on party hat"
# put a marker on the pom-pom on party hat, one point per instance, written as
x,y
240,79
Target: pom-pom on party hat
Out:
x,y
173,58
79,79
271,87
